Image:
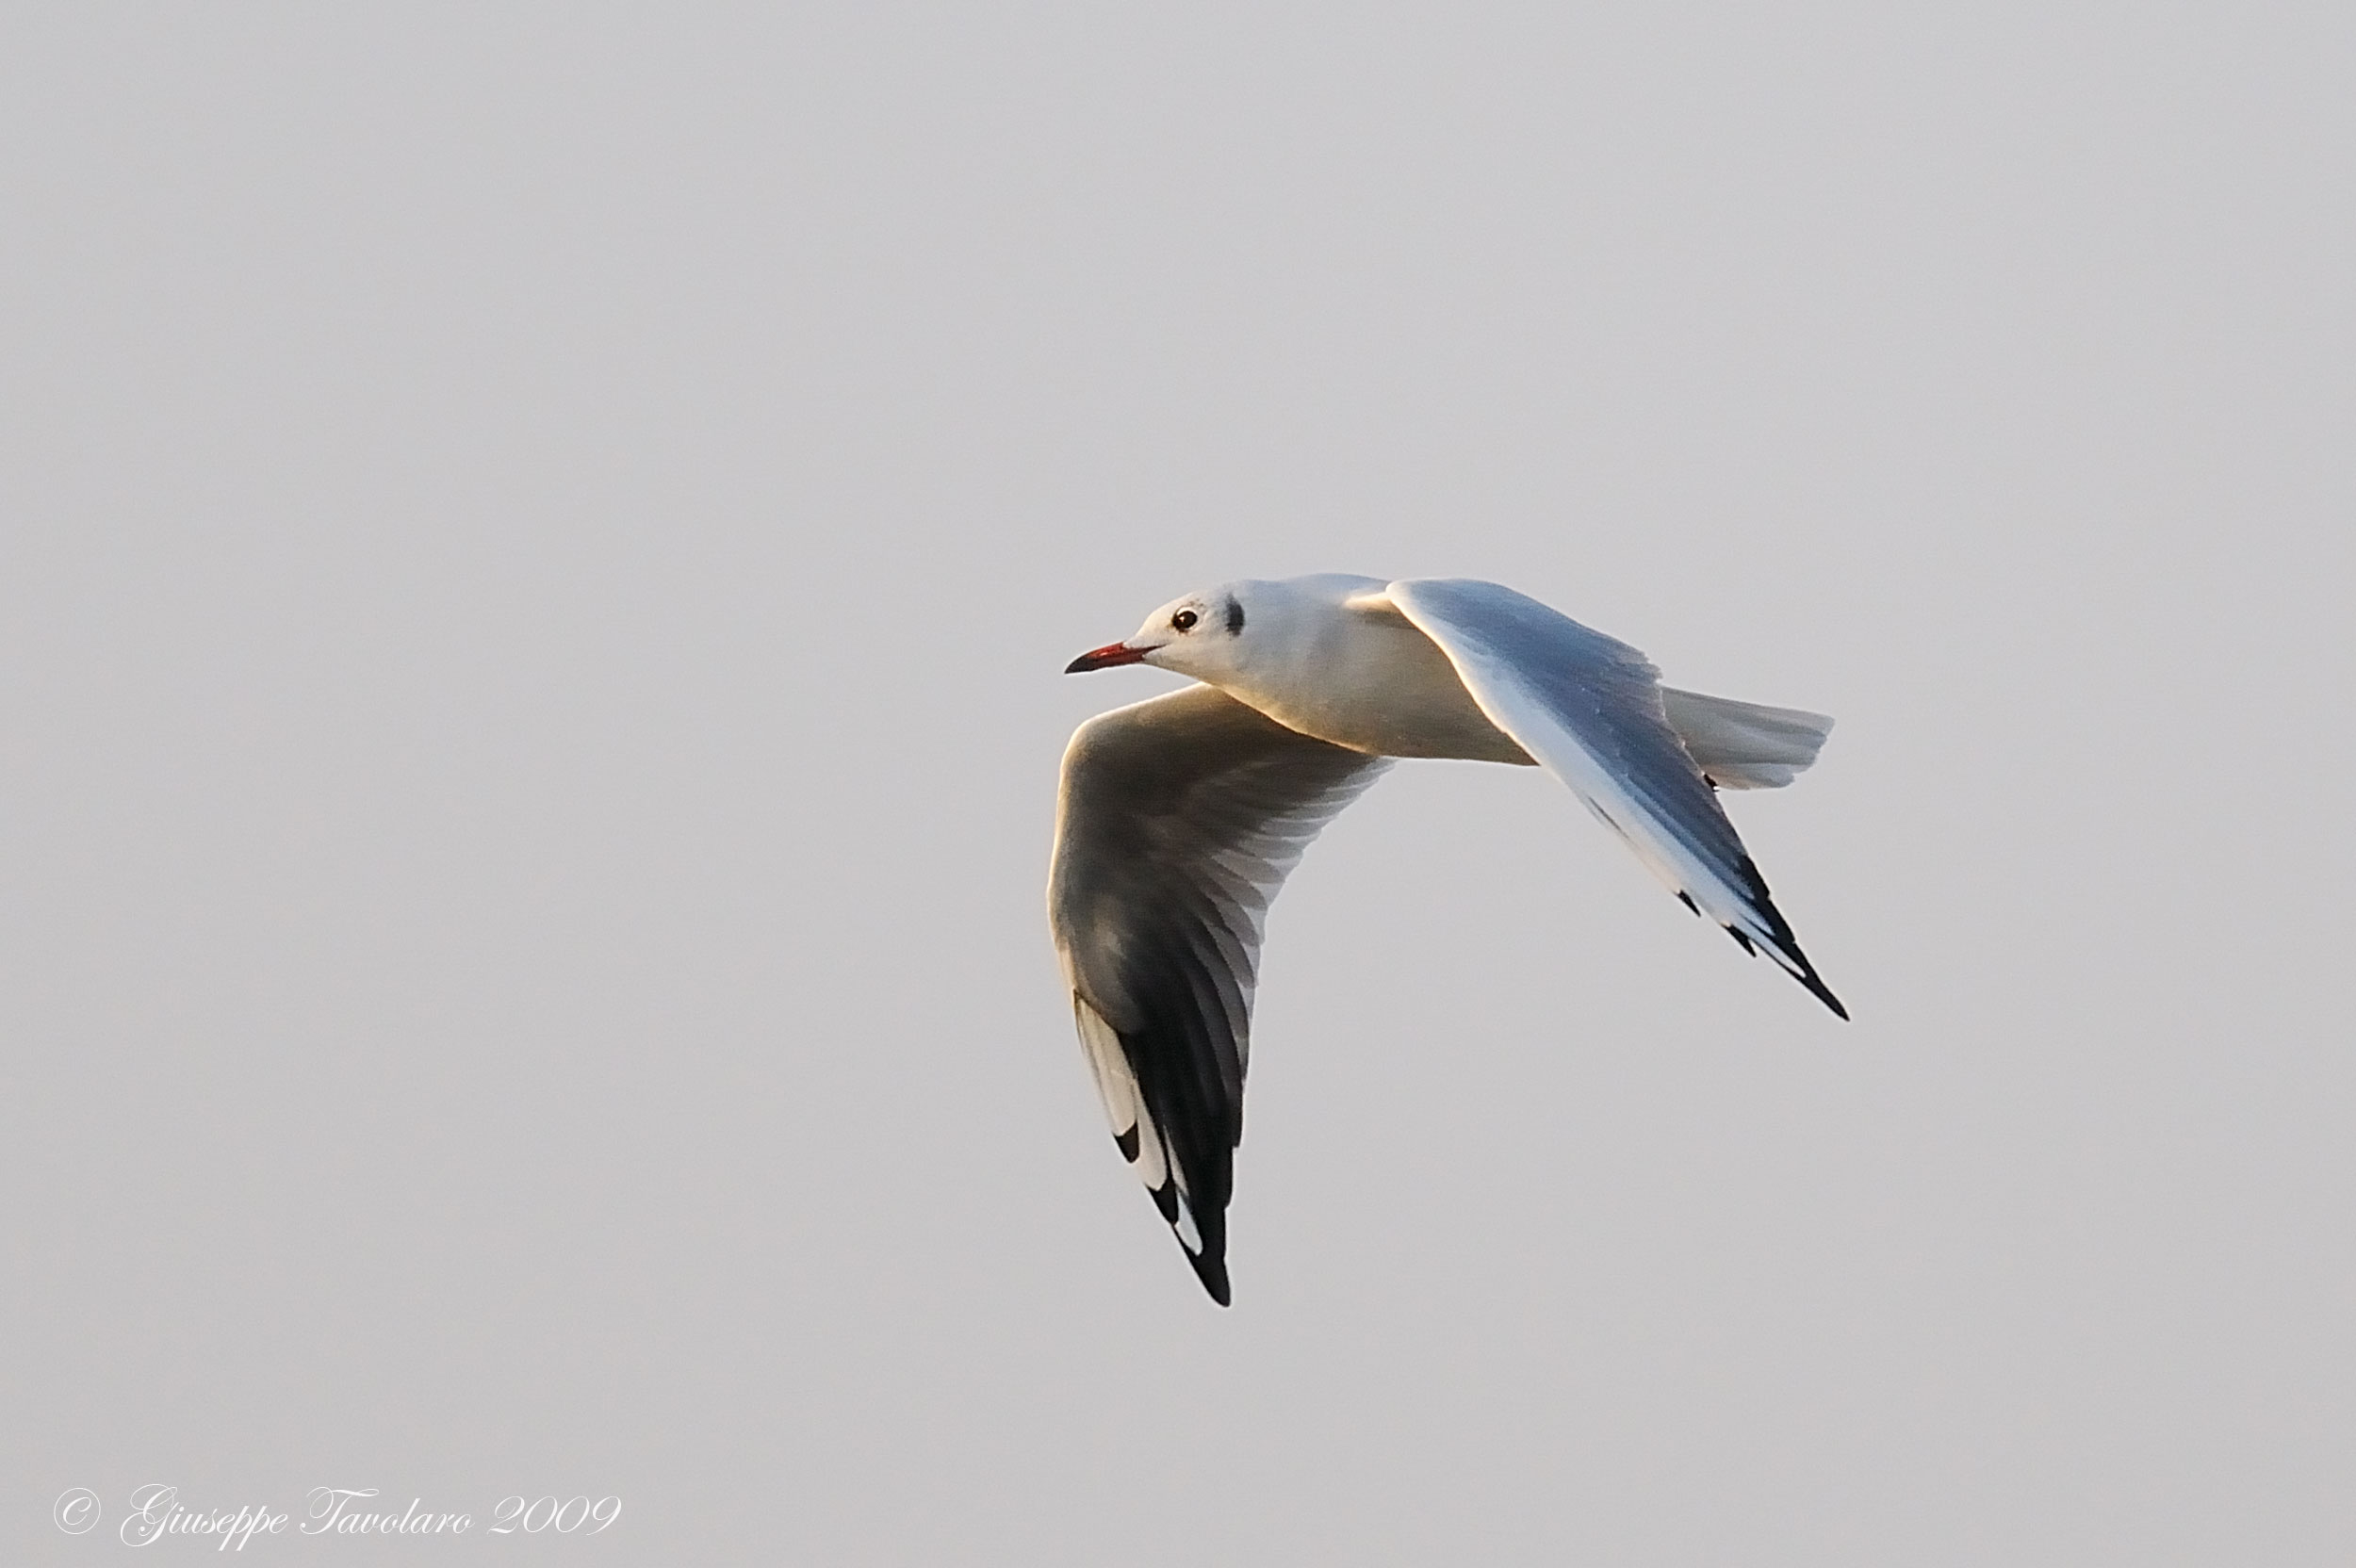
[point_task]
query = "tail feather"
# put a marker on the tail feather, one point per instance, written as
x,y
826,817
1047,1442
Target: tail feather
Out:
x,y
1744,745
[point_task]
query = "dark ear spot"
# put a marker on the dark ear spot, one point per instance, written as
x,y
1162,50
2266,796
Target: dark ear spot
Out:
x,y
1234,616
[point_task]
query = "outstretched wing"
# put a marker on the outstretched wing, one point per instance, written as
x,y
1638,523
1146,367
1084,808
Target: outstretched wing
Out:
x,y
1589,708
1179,818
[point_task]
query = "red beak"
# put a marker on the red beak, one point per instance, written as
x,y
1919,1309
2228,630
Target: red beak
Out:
x,y
1106,658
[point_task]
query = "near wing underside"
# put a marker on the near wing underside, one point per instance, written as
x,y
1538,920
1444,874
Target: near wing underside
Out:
x,y
1589,708
1179,818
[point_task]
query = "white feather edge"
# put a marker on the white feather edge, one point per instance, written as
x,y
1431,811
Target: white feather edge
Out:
x,y
1124,1107
1109,1066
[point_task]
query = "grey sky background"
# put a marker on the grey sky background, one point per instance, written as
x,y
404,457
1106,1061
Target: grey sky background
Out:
x,y
536,548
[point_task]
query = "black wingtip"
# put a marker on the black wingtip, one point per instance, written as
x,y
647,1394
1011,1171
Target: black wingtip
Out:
x,y
1823,993
1213,1273
1784,947
1805,972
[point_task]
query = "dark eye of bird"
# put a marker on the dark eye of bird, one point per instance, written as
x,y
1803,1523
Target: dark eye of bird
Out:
x,y
1183,620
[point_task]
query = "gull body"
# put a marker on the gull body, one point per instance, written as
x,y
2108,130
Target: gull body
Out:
x,y
1180,816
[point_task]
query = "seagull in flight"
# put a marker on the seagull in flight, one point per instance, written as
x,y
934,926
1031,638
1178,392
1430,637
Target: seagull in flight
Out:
x,y
1180,817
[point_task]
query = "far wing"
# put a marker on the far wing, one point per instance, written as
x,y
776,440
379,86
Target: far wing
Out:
x,y
1589,708
1179,818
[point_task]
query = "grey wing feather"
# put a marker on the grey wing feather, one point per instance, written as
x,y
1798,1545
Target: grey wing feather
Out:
x,y
1178,821
1591,710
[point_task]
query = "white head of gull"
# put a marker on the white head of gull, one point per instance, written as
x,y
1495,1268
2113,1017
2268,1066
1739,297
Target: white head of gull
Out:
x,y
1180,817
